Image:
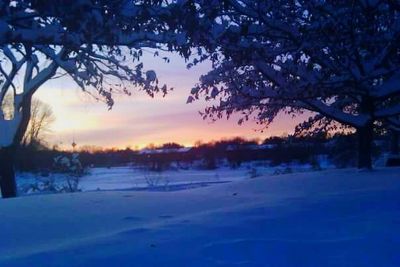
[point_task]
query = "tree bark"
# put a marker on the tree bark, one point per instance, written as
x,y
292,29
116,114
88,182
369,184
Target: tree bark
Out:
x,y
394,157
7,154
394,143
7,174
365,138
8,184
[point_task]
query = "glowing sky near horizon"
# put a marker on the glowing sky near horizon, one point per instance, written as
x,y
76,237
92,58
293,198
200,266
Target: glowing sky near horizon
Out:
x,y
139,120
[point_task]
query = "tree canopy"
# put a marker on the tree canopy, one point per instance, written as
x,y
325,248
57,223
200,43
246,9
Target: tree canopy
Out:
x,y
339,59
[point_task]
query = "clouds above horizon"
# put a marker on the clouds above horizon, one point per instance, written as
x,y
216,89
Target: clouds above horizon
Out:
x,y
138,120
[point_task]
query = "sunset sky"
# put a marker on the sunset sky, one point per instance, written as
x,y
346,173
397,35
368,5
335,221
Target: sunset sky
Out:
x,y
139,120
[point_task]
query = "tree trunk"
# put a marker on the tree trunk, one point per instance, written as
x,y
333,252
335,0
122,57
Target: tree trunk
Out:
x,y
394,157
394,143
365,138
7,173
7,154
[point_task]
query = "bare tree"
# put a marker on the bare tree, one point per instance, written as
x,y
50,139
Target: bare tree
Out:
x,y
39,126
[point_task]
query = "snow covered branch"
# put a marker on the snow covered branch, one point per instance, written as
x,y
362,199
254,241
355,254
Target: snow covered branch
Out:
x,y
130,23
339,60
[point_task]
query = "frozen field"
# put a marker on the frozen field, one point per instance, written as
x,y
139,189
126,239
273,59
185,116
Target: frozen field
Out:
x,y
328,218
128,178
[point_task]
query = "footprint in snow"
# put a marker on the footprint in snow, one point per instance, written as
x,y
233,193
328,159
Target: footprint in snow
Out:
x,y
131,218
165,216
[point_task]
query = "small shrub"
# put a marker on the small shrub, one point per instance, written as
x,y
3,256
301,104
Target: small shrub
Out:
x,y
156,180
254,173
68,165
50,184
285,170
71,170
315,165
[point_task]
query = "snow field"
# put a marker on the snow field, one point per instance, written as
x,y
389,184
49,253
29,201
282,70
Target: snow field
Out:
x,y
328,218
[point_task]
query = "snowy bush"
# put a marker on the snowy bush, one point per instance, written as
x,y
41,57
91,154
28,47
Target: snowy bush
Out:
x,y
285,170
41,184
70,165
254,173
67,171
315,164
209,162
51,184
156,180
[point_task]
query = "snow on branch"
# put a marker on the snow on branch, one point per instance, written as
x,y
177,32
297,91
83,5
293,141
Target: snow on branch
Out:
x,y
133,23
271,55
337,114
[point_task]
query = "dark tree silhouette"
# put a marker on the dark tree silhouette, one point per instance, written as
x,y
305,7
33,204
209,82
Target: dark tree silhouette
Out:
x,y
338,59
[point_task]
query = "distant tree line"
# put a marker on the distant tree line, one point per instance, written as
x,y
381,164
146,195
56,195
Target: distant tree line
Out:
x,y
339,149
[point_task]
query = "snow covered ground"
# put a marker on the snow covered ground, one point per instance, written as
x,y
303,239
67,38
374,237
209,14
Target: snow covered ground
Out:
x,y
328,218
